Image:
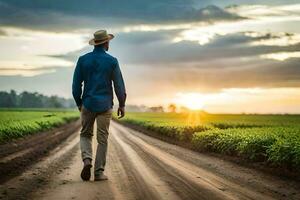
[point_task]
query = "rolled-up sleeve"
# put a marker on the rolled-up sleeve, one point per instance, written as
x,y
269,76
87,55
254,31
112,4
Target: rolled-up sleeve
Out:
x,y
119,85
77,84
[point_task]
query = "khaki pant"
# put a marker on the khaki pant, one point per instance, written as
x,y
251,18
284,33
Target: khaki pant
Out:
x,y
86,136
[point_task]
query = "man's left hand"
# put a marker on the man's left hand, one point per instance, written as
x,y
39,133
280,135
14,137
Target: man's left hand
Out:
x,y
121,112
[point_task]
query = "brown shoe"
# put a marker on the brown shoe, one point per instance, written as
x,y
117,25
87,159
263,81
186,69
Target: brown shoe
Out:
x,y
101,177
86,171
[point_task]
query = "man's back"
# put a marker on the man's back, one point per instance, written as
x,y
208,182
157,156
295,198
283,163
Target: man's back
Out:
x,y
97,70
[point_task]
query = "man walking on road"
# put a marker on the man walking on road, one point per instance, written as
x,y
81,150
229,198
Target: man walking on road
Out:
x,y
97,70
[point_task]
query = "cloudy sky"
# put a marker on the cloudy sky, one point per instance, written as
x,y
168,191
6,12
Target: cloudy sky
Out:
x,y
231,56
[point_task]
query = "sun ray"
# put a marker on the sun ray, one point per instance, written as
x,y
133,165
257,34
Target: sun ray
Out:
x,y
194,118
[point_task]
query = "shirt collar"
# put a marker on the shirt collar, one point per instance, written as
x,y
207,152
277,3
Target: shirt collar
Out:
x,y
98,49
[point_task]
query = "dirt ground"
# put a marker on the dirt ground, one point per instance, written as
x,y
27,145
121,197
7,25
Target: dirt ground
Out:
x,y
142,167
19,154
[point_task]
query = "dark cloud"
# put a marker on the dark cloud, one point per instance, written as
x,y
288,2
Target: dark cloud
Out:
x,y
270,74
14,16
214,66
156,48
75,14
239,2
125,43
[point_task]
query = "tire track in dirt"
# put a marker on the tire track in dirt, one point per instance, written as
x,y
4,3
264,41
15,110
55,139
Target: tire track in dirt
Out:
x,y
151,184
208,185
19,187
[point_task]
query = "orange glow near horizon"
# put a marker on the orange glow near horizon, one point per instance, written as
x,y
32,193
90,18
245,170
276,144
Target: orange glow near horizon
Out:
x,y
233,100
192,101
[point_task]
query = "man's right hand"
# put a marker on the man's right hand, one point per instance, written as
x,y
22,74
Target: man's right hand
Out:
x,y
79,108
121,112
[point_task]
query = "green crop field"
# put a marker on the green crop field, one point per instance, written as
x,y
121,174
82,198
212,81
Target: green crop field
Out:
x,y
274,139
15,123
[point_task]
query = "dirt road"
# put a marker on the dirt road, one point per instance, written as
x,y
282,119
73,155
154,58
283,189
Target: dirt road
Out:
x,y
142,167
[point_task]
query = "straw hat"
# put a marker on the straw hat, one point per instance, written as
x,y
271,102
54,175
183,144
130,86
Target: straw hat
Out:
x,y
101,37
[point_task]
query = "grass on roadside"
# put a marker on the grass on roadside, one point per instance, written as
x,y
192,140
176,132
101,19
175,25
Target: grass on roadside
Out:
x,y
271,138
277,145
18,123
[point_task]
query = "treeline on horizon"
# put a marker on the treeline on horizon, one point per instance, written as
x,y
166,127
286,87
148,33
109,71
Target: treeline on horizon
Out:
x,y
33,100
26,99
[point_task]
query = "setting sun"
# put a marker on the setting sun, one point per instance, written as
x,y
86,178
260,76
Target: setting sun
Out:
x,y
192,101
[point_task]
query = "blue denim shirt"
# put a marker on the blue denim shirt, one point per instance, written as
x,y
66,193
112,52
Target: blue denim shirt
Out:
x,y
97,71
